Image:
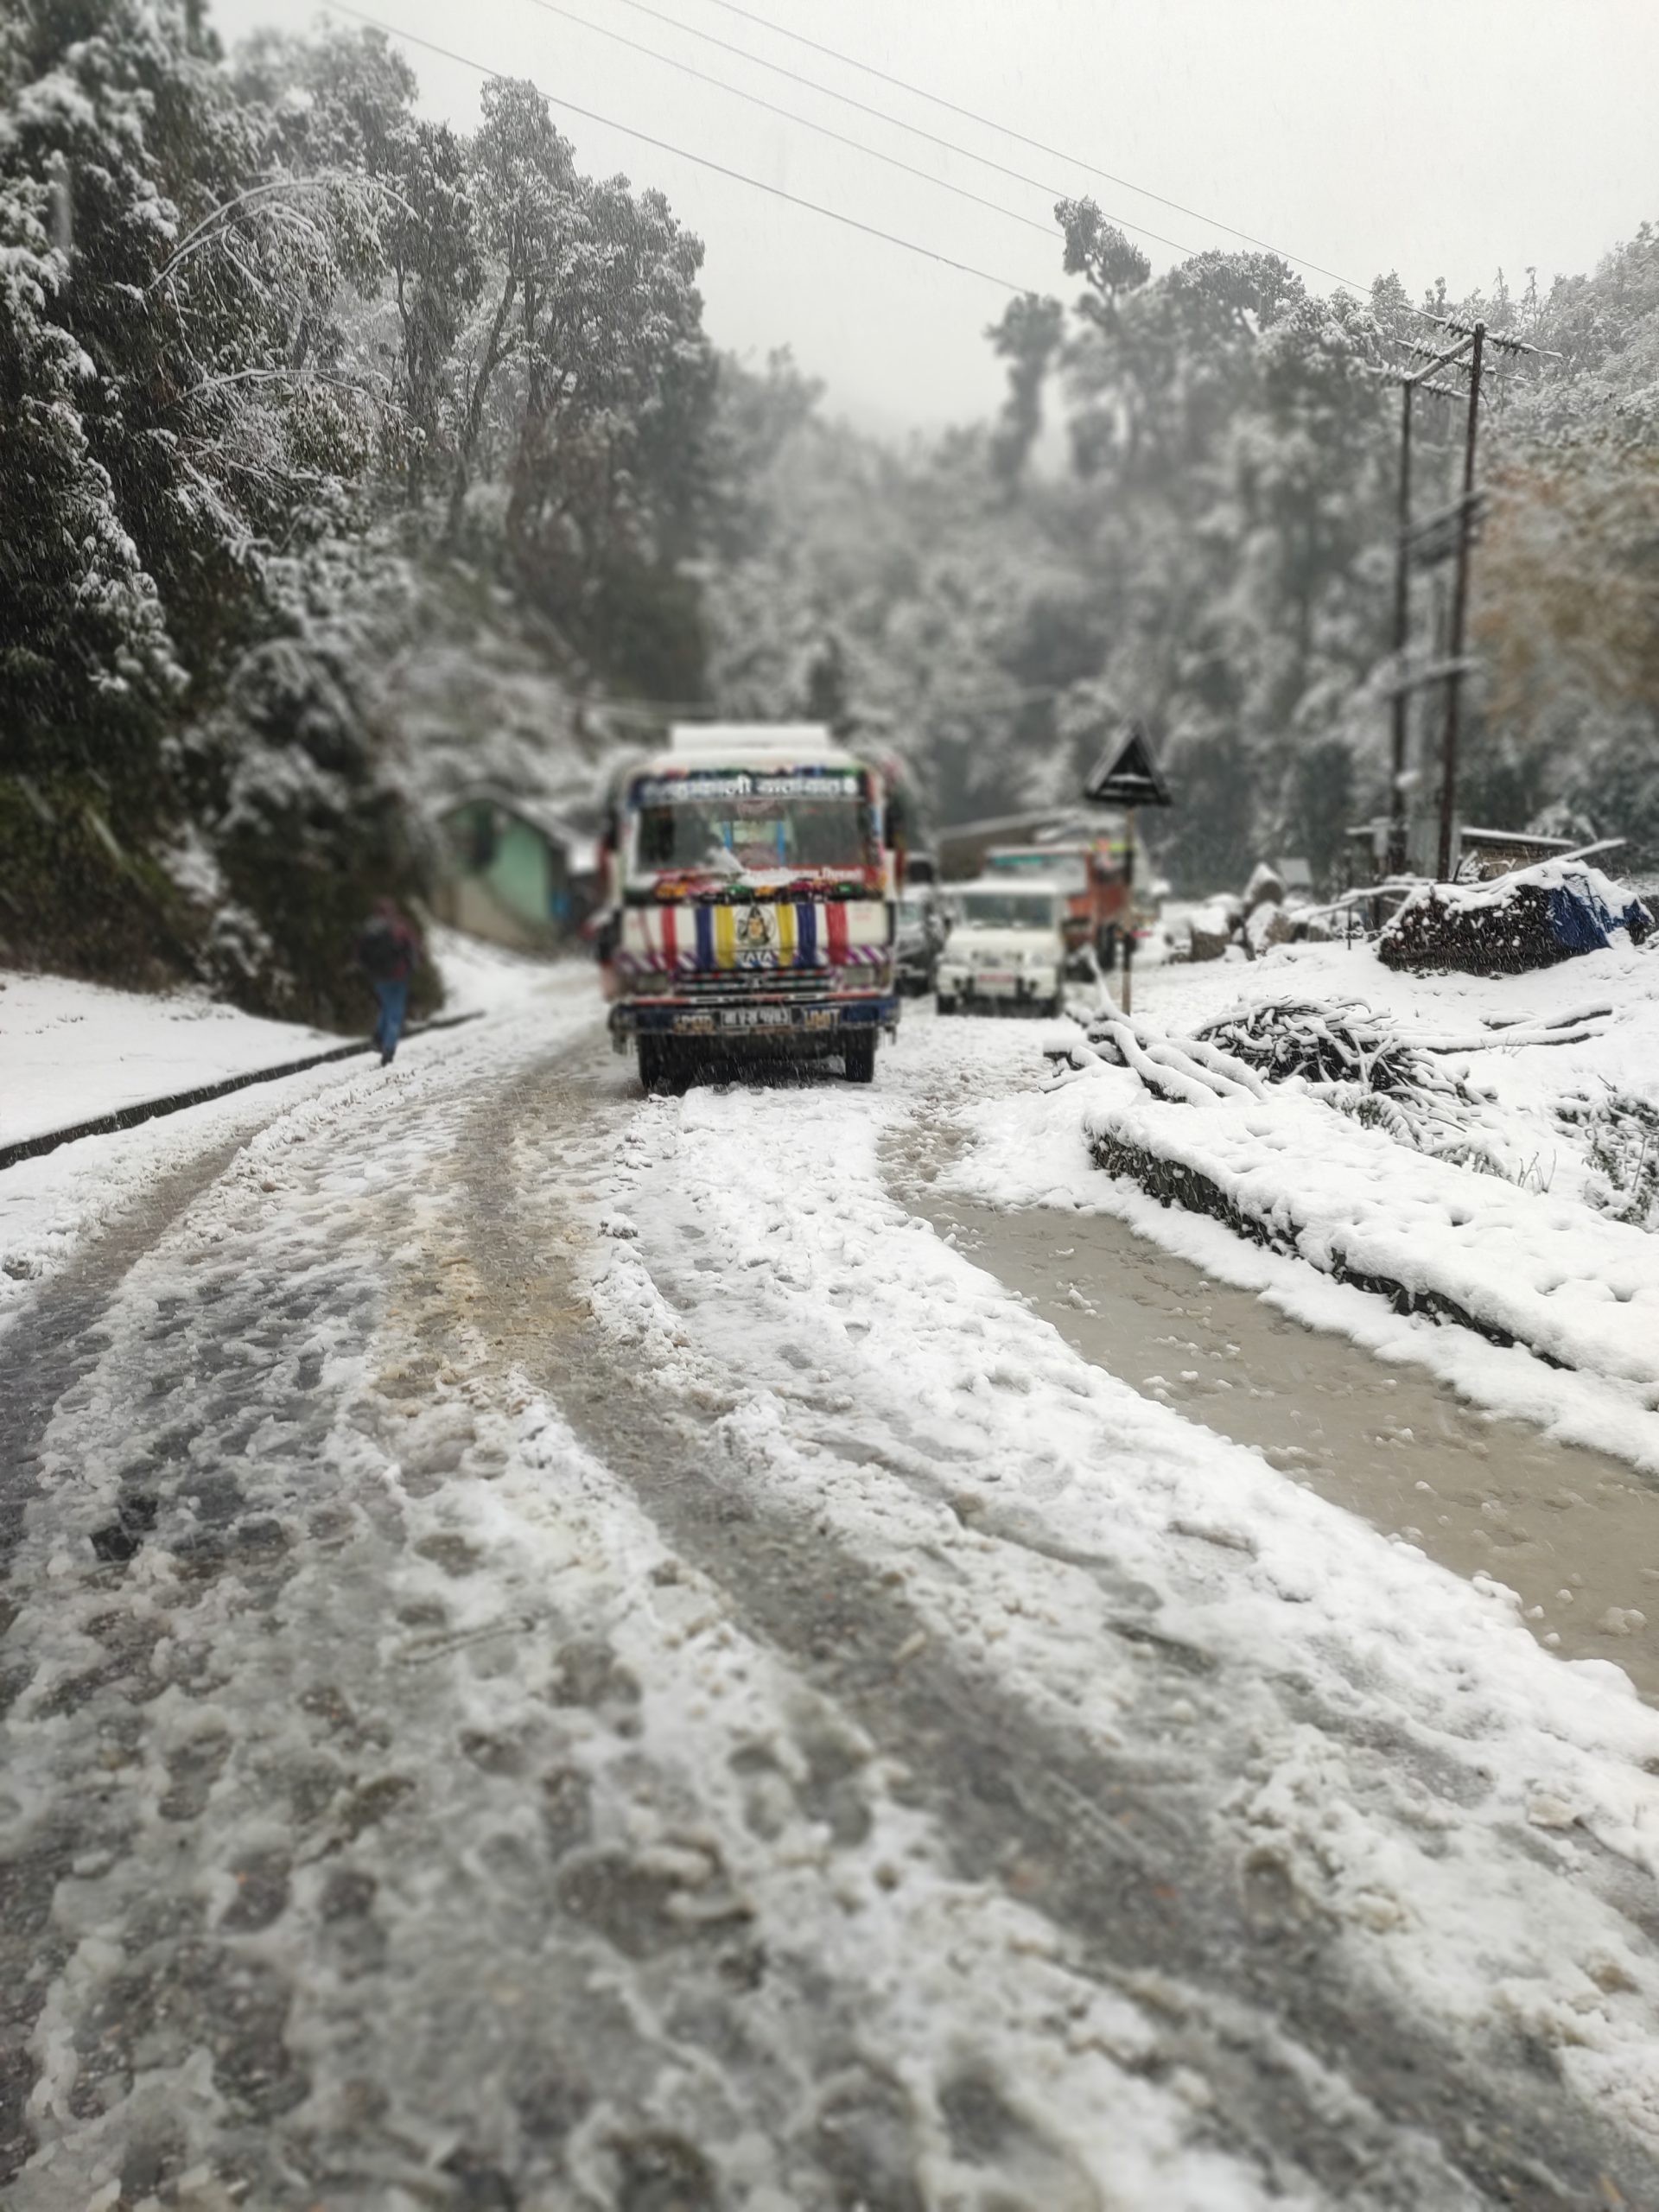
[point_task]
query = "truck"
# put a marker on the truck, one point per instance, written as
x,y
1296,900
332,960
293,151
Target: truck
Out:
x,y
1092,873
750,872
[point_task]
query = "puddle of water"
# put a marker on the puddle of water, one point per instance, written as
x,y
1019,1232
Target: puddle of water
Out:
x,y
1576,1534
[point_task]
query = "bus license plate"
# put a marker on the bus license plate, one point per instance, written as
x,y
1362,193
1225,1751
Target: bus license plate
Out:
x,y
778,1017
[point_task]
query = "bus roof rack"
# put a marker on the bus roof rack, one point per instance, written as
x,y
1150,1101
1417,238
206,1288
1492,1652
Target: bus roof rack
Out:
x,y
736,741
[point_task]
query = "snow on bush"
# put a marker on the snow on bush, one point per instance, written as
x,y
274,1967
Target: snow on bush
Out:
x,y
1621,1134
1363,1063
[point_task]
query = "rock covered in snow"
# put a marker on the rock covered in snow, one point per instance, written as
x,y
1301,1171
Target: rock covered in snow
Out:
x,y
1265,888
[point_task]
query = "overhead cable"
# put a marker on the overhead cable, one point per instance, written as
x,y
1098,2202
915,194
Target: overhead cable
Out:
x,y
802,121
682,153
1054,191
1038,145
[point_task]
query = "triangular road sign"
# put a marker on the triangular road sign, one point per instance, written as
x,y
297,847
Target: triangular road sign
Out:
x,y
1127,775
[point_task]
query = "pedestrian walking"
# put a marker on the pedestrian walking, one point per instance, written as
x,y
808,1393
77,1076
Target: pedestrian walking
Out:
x,y
387,950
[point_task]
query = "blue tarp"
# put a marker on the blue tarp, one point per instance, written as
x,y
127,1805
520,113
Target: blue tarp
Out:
x,y
1580,920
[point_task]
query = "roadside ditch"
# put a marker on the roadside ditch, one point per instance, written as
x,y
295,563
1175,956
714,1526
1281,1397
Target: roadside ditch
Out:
x,y
1574,1532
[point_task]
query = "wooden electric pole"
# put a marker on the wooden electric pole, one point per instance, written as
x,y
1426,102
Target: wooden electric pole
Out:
x,y
1397,858
1448,535
1460,611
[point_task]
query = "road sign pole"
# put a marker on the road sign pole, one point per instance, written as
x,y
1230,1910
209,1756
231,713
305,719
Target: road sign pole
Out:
x,y
1128,915
1128,777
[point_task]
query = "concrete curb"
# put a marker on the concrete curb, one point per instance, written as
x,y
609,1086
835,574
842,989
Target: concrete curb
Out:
x,y
150,1110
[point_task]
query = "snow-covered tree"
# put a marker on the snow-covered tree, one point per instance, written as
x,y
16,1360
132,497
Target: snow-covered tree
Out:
x,y
260,325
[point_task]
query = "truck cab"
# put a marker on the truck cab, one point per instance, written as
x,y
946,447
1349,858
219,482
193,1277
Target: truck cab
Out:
x,y
1008,946
1095,874
750,881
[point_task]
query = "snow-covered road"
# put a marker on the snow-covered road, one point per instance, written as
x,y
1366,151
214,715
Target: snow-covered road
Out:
x,y
569,1651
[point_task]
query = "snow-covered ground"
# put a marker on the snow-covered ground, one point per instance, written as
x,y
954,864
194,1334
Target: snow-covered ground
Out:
x,y
1526,1243
573,1648
72,1052
947,1437
483,978
1620,987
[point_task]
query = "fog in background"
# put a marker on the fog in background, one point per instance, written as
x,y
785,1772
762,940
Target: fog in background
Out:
x,y
1435,139
400,486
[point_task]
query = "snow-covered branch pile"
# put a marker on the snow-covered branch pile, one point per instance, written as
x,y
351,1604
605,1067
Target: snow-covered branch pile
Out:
x,y
1621,1134
1181,1070
1384,1198
1362,1062
1351,1057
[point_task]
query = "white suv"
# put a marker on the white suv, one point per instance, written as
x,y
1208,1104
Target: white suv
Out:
x,y
1007,946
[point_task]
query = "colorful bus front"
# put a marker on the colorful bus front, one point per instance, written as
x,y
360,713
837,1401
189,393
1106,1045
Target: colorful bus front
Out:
x,y
753,888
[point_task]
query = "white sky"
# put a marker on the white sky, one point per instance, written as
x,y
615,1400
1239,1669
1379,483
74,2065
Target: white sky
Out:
x,y
1437,138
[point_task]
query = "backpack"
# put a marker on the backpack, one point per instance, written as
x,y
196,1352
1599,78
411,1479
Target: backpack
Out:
x,y
382,951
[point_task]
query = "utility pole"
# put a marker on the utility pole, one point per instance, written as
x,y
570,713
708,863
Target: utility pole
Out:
x,y
1446,535
1415,544
1396,858
1460,611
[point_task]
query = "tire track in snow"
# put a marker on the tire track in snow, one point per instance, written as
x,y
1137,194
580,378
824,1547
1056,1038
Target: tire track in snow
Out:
x,y
363,1867
1309,2072
326,1882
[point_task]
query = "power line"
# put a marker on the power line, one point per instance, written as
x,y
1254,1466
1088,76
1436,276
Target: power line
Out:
x,y
806,122
737,176
1038,145
915,130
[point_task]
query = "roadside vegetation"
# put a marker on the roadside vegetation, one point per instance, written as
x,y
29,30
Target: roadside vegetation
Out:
x,y
305,388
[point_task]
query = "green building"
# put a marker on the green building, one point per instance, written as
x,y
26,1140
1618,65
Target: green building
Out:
x,y
513,870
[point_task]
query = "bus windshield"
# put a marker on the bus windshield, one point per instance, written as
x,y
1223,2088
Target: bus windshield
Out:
x,y
751,823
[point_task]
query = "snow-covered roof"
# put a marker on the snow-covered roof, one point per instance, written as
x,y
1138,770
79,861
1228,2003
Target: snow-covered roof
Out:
x,y
795,745
1522,840
578,846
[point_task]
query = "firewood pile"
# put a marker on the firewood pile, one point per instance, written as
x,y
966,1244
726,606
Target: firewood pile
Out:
x,y
1534,918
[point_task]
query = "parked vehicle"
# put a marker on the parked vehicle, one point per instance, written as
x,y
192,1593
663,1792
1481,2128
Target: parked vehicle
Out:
x,y
750,879
921,926
1093,874
1007,947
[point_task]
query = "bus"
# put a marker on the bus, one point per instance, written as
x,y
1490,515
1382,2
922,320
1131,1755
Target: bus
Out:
x,y
750,876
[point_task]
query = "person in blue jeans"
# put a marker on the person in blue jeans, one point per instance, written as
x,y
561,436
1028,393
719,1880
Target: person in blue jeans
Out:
x,y
387,950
